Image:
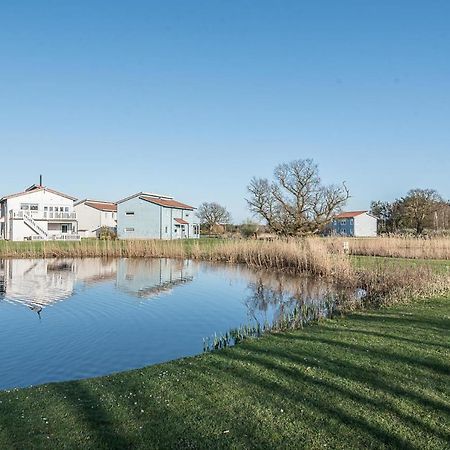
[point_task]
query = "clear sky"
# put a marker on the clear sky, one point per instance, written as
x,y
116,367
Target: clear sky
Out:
x,y
193,98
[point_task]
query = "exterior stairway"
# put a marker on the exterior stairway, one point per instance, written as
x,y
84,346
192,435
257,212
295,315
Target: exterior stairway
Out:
x,y
34,226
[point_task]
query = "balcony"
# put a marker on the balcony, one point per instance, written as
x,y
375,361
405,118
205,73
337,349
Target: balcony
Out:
x,y
44,215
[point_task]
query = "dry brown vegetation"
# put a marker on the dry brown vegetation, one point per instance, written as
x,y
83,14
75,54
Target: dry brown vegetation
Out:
x,y
397,247
384,283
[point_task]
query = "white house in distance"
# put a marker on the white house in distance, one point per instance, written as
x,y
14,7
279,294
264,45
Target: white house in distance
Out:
x,y
38,213
153,216
354,223
93,215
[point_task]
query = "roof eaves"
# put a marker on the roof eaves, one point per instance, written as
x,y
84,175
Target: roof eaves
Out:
x,y
138,194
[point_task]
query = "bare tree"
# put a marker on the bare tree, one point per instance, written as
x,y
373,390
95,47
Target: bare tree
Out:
x,y
211,214
296,201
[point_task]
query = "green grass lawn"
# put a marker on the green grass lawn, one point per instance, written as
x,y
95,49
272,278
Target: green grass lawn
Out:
x,y
438,265
375,379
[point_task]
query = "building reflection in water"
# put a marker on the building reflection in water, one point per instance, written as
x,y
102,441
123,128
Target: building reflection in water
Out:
x,y
36,283
145,278
39,283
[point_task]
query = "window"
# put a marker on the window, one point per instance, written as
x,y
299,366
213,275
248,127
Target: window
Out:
x,y
166,230
186,215
128,229
66,209
130,213
29,207
343,221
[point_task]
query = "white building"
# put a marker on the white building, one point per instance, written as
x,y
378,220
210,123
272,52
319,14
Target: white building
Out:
x,y
38,213
93,215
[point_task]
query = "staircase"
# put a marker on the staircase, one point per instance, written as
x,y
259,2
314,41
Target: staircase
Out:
x,y
34,226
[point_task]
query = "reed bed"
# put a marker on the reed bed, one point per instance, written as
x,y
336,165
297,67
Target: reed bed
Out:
x,y
385,284
296,256
308,255
395,246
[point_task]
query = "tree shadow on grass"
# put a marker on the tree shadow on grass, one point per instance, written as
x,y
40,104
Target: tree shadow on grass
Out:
x,y
85,405
344,369
394,337
400,320
427,363
322,404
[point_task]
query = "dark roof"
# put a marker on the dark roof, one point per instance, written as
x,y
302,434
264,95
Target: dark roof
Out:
x,y
181,221
168,203
37,188
349,214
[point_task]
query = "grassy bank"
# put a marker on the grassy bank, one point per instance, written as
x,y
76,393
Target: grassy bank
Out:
x,y
375,379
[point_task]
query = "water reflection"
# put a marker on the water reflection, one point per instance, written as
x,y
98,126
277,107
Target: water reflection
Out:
x,y
36,283
105,315
39,283
149,277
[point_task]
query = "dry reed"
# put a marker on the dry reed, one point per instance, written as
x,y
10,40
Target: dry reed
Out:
x,y
317,256
396,246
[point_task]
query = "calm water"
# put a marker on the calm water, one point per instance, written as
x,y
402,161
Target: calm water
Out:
x,y
66,319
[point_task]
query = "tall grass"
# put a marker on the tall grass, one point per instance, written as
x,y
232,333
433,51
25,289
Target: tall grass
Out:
x,y
397,247
308,255
321,257
292,253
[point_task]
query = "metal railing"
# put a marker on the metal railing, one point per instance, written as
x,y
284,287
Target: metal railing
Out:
x,y
60,215
56,237
45,215
65,237
32,224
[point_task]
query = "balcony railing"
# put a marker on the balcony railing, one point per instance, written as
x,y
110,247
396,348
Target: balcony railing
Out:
x,y
44,215
65,237
60,215
57,237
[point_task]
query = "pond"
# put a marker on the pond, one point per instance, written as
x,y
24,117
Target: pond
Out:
x,y
66,319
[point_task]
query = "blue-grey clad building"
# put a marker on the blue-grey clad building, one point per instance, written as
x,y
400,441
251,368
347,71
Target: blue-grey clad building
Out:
x,y
153,216
354,223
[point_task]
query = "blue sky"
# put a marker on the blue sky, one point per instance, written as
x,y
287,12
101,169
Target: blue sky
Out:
x,y
193,98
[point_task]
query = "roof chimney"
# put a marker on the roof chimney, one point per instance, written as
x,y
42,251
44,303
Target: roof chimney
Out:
x,y
40,180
